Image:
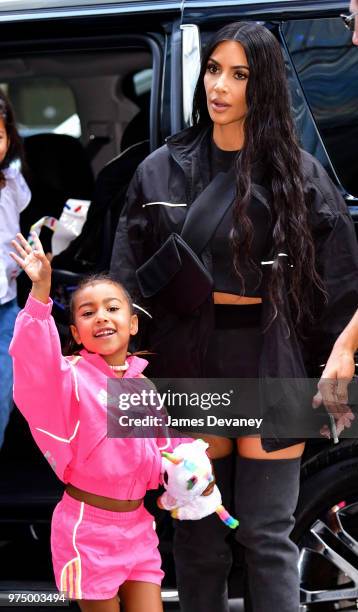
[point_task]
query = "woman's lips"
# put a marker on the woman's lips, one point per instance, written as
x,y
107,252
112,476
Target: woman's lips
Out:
x,y
219,107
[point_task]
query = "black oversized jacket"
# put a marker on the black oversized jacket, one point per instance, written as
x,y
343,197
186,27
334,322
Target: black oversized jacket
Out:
x,y
176,174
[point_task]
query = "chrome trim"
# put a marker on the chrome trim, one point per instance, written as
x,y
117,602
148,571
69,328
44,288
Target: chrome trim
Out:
x,y
94,8
191,57
340,548
170,595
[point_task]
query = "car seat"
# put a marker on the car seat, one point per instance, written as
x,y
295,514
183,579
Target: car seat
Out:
x,y
137,129
91,250
58,169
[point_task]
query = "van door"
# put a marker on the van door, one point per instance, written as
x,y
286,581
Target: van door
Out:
x,y
326,64
324,121
33,27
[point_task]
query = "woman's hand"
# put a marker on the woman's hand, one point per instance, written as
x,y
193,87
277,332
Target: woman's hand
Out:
x,y
338,373
34,262
333,389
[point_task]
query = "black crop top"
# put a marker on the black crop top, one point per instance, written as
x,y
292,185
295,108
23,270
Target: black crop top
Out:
x,y
225,278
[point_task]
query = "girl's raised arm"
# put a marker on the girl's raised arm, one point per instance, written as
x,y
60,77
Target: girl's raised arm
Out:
x,y
44,389
34,262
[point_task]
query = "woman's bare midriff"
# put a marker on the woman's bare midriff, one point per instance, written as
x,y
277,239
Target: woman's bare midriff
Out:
x,y
105,503
235,300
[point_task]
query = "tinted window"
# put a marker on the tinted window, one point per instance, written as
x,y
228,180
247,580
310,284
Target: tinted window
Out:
x,y
327,65
142,81
43,105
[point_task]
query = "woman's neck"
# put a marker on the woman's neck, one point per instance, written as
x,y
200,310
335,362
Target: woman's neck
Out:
x,y
229,137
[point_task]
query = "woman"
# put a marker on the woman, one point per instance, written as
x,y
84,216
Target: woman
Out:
x,y
273,262
14,198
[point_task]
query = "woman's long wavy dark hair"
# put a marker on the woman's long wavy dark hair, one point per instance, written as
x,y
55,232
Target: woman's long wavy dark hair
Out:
x,y
269,139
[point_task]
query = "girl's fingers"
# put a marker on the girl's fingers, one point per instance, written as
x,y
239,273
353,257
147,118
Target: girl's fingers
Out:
x,y
19,248
20,262
24,248
25,245
40,255
37,242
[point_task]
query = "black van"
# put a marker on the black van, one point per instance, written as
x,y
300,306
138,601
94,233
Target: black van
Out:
x,y
98,85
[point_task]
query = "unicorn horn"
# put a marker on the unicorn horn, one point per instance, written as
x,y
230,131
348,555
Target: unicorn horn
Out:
x,y
172,458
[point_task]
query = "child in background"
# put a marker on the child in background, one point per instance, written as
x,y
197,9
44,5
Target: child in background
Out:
x,y
102,537
14,197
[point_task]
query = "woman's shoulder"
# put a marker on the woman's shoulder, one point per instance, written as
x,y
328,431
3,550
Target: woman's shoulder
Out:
x,y
311,167
13,173
159,156
324,194
17,185
177,145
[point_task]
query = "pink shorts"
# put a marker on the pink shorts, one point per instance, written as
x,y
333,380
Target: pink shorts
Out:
x,y
94,551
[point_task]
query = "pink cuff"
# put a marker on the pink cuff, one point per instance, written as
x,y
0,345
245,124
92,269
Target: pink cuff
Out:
x,y
37,309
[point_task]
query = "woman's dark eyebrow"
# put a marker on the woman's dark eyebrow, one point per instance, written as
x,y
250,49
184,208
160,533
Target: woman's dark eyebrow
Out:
x,y
211,59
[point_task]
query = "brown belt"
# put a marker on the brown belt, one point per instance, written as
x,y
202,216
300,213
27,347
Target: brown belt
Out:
x,y
105,503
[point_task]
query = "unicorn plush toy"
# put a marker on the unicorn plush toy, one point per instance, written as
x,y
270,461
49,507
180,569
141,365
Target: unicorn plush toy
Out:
x,y
187,473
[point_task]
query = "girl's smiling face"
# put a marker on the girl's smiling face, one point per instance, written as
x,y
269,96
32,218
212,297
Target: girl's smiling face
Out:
x,y
103,322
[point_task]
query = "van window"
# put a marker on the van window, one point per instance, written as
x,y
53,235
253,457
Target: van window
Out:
x,y
327,66
44,105
142,81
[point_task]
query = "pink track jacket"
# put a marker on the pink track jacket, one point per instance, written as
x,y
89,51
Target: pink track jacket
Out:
x,y
64,400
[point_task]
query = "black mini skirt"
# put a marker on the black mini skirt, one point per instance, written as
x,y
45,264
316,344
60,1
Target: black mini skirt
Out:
x,y
234,351
235,343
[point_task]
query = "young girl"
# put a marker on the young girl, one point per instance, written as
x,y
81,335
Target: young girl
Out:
x,y
14,197
102,537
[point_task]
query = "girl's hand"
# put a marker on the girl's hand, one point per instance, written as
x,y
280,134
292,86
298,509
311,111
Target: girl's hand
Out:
x,y
34,262
32,259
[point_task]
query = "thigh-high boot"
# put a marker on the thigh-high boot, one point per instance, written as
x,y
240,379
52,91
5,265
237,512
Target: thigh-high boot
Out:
x,y
202,553
266,493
